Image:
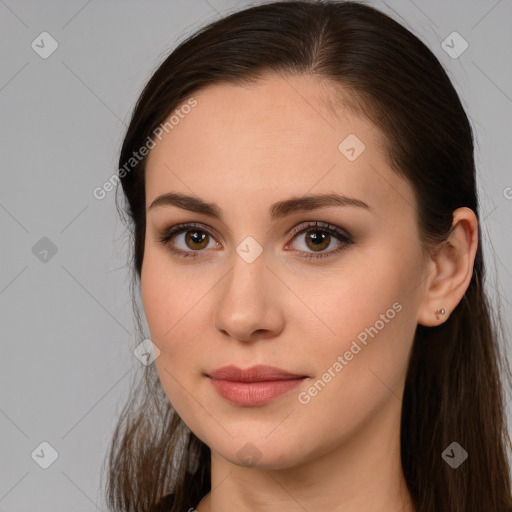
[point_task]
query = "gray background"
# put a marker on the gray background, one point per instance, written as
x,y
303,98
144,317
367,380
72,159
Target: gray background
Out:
x,y
67,329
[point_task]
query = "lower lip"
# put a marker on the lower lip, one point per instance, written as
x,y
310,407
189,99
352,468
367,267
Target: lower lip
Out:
x,y
250,394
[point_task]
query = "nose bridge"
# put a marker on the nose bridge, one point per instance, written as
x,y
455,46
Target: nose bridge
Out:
x,y
246,303
248,273
248,258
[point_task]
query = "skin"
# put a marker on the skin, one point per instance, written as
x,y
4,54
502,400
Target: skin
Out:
x,y
245,148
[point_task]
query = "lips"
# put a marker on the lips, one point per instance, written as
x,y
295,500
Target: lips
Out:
x,y
257,373
254,386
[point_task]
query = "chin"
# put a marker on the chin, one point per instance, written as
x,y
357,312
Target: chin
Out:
x,y
262,454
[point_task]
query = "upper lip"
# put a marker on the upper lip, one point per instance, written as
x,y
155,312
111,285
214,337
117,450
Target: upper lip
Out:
x,y
257,373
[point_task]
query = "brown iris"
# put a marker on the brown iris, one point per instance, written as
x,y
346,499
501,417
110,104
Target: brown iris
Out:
x,y
319,239
196,237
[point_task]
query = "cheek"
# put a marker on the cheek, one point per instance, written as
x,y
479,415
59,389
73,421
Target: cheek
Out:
x,y
174,306
170,317
361,367
369,318
158,304
166,297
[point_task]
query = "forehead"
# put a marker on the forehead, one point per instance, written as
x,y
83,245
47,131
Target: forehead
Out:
x,y
276,138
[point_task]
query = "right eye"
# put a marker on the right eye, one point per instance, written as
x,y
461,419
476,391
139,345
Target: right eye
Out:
x,y
191,237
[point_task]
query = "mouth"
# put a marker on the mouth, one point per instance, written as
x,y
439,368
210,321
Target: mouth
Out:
x,y
258,385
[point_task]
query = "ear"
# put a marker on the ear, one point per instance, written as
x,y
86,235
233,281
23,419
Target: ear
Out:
x,y
451,268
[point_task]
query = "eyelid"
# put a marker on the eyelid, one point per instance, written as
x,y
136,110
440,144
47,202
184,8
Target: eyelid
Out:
x,y
322,226
174,229
169,232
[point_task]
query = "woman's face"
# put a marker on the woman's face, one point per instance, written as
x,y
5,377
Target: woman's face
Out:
x,y
343,320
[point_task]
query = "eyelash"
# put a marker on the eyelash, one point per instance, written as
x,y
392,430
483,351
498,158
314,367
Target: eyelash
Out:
x,y
346,240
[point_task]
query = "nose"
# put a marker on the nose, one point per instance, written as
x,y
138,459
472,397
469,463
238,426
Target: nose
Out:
x,y
249,302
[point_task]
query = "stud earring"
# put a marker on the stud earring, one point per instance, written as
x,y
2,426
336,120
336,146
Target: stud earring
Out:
x,y
440,312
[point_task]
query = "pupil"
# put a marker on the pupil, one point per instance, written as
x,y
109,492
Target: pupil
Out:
x,y
318,239
196,237
196,234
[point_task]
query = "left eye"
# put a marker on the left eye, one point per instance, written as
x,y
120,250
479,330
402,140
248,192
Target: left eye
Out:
x,y
318,236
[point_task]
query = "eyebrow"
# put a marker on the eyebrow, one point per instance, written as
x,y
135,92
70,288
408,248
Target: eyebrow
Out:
x,y
276,211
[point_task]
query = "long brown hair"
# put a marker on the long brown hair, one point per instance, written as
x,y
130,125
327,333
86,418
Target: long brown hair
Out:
x,y
453,390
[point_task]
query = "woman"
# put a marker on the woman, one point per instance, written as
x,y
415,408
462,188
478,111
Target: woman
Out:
x,y
300,181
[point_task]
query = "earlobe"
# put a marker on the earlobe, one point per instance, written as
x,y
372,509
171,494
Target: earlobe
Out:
x,y
440,312
452,263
